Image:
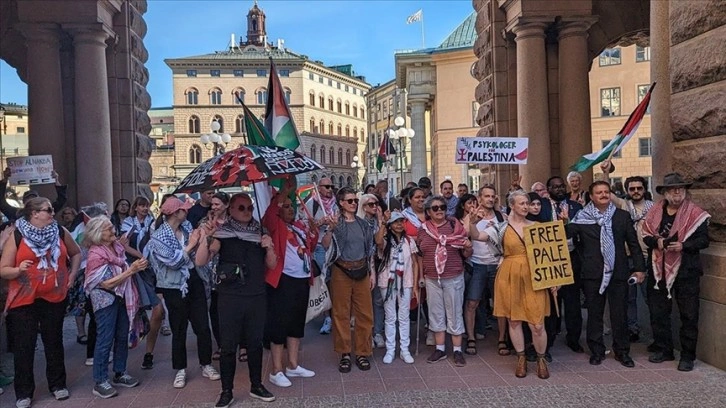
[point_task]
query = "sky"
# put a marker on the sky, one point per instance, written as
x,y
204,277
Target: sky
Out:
x,y
363,33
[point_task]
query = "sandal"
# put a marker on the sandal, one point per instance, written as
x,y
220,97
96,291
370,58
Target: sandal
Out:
x,y
344,364
470,347
242,357
503,349
165,331
363,363
82,339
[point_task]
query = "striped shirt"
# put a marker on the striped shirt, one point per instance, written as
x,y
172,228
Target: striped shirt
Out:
x,y
427,248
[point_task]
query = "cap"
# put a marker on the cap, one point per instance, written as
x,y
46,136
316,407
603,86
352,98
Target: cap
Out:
x,y
173,204
395,216
30,194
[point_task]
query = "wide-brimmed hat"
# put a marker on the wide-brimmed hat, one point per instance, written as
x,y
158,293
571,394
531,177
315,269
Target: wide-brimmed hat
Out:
x,y
173,204
672,180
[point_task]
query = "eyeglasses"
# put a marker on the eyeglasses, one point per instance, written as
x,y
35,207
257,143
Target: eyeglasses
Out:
x,y
48,210
372,204
636,188
352,201
249,208
437,208
558,186
326,186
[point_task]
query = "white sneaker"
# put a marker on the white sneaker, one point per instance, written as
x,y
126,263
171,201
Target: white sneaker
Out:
x,y
299,371
61,394
388,358
23,403
406,357
280,380
327,326
430,340
379,341
180,379
89,362
209,372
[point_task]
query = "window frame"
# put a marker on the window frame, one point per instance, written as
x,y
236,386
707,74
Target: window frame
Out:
x,y
648,147
606,59
612,98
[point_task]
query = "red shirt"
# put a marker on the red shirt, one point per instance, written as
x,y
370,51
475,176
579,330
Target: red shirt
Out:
x,y
48,285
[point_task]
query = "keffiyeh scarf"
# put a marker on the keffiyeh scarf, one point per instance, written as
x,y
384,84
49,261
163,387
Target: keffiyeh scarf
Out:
x,y
396,267
455,240
328,204
667,263
590,216
647,205
234,229
44,242
168,252
412,217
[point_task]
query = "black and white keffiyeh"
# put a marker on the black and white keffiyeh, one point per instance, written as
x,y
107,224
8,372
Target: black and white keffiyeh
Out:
x,y
589,216
44,242
168,252
234,229
647,205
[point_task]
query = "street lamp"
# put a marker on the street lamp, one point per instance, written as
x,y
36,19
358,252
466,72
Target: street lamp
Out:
x,y
3,130
401,134
219,140
355,164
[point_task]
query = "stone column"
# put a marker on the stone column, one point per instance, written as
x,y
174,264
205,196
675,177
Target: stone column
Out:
x,y
45,96
418,143
661,138
574,100
532,109
93,127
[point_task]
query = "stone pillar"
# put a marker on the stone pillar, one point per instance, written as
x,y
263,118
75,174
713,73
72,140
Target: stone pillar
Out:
x,y
661,137
418,143
532,102
574,99
93,127
45,96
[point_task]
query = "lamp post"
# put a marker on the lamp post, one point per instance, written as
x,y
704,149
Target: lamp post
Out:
x,y
355,164
219,140
3,131
401,134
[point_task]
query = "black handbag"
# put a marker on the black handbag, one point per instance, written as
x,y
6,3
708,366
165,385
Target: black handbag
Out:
x,y
357,273
230,272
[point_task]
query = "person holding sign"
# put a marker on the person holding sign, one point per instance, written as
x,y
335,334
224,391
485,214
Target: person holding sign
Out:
x,y
601,232
514,296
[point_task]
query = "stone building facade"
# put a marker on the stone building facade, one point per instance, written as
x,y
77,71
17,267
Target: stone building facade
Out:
x,y
327,103
83,62
13,132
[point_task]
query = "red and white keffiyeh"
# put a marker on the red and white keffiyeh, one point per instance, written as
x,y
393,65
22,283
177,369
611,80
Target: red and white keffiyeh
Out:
x,y
455,240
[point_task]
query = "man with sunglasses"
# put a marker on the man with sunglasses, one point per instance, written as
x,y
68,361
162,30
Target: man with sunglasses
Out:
x,y
638,206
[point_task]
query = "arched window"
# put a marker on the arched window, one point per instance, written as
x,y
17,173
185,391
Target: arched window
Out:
x,y
340,156
239,96
340,129
350,181
347,157
347,108
312,125
322,154
330,104
341,181
314,178
239,124
312,98
195,154
192,96
362,113
261,95
288,93
331,155
215,96
219,120
321,129
355,133
340,106
321,101
347,131
330,128
313,152
194,124
355,110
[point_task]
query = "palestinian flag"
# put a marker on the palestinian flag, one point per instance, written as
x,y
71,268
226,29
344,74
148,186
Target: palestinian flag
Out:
x,y
306,192
384,151
615,145
257,135
278,119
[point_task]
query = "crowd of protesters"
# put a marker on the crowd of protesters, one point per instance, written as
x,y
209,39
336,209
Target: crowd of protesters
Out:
x,y
241,277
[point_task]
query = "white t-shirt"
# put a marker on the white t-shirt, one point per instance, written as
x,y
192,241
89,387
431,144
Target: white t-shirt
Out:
x,y
485,253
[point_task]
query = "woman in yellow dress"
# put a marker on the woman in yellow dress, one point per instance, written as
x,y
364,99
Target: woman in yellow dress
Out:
x,y
514,297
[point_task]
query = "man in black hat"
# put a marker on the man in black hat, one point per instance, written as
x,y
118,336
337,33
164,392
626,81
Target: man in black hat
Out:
x,y
675,231
11,212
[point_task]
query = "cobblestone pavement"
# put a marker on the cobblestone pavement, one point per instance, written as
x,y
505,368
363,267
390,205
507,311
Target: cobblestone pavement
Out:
x,y
488,379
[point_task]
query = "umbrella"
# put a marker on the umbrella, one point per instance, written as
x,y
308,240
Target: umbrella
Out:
x,y
246,165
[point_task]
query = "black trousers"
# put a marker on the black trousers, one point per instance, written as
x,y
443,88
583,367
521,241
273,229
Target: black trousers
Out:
x,y
92,332
616,295
24,323
686,294
184,310
214,318
570,295
241,317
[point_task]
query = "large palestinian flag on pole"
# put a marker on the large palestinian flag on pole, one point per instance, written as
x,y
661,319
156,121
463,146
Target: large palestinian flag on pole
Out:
x,y
615,145
278,118
385,151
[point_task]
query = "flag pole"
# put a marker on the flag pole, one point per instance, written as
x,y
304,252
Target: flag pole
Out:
x,y
387,140
423,39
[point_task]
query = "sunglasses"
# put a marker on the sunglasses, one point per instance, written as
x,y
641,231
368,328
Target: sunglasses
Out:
x,y
249,208
636,188
48,210
437,208
326,186
351,201
372,204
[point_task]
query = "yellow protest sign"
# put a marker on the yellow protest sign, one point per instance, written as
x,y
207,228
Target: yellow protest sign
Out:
x,y
549,258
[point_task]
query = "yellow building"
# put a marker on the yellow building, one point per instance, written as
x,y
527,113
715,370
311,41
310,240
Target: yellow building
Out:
x,y
619,78
327,103
13,131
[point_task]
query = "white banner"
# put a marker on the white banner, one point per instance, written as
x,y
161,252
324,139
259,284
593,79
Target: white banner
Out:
x,y
31,170
491,150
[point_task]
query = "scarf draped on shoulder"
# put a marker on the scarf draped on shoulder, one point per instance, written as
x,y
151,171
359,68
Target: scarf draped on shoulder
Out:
x,y
455,240
234,229
411,217
168,252
44,242
590,215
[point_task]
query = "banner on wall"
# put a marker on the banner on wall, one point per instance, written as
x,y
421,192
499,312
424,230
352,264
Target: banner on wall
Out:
x,y
491,150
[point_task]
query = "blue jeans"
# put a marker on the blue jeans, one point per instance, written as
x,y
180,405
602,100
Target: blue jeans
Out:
x,y
481,288
112,324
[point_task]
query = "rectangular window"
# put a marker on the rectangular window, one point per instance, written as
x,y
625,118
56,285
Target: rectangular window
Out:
x,y
239,73
20,129
642,90
338,85
284,72
321,79
330,82
610,102
191,72
214,72
311,76
610,56
616,155
644,147
355,91
474,111
261,72
642,53
347,88
615,180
